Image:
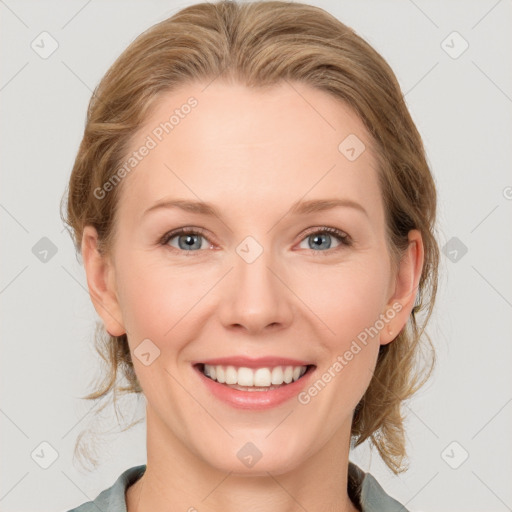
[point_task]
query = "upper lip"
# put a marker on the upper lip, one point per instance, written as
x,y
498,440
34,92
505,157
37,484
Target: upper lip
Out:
x,y
249,362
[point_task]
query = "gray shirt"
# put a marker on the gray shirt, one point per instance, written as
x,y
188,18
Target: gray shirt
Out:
x,y
363,489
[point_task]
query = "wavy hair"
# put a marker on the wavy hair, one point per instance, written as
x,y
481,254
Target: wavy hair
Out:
x,y
258,44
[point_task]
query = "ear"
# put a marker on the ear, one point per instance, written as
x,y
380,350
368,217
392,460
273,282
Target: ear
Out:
x,y
404,289
101,283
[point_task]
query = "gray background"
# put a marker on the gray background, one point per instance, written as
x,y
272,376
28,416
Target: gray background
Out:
x,y
462,106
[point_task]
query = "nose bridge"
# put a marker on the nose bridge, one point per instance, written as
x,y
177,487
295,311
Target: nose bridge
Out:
x,y
254,279
257,297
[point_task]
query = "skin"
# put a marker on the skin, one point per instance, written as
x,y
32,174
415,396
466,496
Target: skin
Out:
x,y
252,153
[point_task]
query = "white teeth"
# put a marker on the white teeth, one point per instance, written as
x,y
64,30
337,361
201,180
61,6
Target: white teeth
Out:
x,y
262,377
221,374
231,375
245,377
277,375
249,377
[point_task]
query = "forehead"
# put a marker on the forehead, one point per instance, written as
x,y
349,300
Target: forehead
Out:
x,y
273,145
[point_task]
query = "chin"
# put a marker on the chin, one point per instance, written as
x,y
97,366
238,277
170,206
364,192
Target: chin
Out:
x,y
258,458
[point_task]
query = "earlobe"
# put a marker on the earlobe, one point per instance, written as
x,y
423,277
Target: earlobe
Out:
x,y
101,283
403,298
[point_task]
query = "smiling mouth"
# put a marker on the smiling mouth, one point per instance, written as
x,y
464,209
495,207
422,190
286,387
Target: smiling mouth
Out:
x,y
254,379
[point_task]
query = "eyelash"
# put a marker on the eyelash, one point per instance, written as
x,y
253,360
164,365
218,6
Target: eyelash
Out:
x,y
343,238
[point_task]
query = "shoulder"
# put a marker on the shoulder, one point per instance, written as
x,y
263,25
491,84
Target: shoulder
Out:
x,y
113,499
363,489
368,493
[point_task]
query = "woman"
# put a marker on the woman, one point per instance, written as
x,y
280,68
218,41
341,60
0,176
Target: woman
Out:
x,y
256,216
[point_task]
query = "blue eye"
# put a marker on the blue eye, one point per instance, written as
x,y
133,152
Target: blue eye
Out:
x,y
188,239
191,239
323,237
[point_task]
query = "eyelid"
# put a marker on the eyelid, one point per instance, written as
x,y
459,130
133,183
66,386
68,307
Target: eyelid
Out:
x,y
184,231
344,238
343,235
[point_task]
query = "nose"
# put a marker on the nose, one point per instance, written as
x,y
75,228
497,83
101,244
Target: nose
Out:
x,y
255,297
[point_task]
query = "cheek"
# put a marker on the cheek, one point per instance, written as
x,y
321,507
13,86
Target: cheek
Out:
x,y
344,299
154,297
347,299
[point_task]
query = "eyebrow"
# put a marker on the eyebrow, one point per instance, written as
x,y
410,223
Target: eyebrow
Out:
x,y
298,208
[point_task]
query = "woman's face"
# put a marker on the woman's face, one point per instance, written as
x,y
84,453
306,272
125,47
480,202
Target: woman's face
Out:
x,y
263,285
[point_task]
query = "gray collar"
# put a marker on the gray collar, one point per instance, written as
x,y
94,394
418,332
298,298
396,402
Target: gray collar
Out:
x,y
363,489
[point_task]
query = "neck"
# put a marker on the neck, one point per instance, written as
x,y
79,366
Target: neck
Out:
x,y
177,479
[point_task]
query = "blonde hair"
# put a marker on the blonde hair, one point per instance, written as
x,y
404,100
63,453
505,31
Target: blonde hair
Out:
x,y
259,44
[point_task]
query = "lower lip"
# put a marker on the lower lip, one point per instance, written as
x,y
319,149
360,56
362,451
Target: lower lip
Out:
x,y
255,400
